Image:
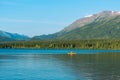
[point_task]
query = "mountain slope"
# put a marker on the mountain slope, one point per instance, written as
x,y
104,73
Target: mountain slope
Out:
x,y
4,39
96,30
107,15
104,25
12,36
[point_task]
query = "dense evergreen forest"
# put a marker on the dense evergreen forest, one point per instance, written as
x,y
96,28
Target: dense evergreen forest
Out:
x,y
62,44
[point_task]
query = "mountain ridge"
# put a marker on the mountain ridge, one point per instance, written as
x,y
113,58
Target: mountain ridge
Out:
x,y
104,23
90,18
12,36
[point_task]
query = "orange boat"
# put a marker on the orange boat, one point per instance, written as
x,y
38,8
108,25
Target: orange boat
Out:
x,y
71,53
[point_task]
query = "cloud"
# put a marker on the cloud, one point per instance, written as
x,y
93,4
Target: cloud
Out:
x,y
32,21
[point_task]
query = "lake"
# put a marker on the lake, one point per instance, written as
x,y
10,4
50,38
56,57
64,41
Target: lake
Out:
x,y
43,64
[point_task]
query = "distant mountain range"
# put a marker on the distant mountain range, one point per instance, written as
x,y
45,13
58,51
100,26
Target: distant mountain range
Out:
x,y
103,25
6,36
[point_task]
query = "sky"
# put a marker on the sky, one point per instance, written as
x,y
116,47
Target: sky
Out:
x,y
37,17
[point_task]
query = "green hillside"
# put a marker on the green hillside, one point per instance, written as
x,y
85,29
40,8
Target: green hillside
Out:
x,y
105,29
104,25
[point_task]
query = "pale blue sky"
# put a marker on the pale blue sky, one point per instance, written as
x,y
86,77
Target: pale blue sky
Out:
x,y
36,17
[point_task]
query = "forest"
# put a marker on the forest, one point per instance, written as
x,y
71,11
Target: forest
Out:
x,y
63,44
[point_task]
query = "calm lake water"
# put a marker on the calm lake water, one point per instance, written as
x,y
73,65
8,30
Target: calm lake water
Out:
x,y
25,64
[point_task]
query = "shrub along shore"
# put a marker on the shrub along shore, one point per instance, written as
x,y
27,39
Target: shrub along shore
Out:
x,y
63,44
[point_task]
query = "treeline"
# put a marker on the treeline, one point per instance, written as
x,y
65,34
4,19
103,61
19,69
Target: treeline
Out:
x,y
64,44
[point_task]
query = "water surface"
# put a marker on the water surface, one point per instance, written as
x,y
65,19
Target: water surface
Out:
x,y
25,65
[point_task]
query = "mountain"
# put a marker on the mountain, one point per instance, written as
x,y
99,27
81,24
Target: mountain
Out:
x,y
103,25
11,36
4,39
107,15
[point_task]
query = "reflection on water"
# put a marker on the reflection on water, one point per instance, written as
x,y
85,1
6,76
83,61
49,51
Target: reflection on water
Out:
x,y
104,66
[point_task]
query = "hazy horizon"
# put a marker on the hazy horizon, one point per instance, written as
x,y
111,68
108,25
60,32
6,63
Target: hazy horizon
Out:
x,y
39,17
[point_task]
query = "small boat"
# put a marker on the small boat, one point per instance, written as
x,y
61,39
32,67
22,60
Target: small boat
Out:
x,y
71,53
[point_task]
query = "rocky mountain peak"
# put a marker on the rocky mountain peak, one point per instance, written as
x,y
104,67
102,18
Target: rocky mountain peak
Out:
x,y
90,18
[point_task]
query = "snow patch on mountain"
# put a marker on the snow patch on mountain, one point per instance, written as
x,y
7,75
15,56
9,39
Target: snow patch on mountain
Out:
x,y
88,16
